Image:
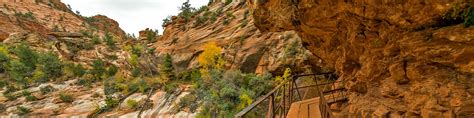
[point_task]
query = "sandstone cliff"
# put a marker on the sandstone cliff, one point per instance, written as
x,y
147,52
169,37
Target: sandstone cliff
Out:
x,y
245,47
401,58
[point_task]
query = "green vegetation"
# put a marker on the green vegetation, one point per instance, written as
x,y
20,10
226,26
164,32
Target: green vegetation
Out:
x,y
46,89
227,2
469,16
109,40
186,11
167,67
23,110
66,97
132,104
28,15
222,92
166,21
98,69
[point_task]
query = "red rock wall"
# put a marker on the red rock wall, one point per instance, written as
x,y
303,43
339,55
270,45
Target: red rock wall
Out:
x,y
402,56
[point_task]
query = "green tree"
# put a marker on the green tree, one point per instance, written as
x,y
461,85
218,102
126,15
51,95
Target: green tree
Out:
x,y
19,71
98,69
51,65
109,40
186,11
26,55
167,67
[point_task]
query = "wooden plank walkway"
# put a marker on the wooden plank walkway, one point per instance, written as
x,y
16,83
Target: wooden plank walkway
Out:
x,y
310,108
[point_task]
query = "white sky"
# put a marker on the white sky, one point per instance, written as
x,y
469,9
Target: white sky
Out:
x,y
132,15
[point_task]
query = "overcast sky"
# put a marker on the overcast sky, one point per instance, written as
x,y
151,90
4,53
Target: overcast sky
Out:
x,y
132,15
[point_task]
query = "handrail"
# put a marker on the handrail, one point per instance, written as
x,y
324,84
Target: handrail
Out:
x,y
260,100
272,96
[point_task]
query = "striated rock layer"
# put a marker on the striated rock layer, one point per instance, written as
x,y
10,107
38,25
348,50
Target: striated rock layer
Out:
x,y
245,48
400,57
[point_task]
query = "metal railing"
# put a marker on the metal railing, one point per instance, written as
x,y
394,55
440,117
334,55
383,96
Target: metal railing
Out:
x,y
277,102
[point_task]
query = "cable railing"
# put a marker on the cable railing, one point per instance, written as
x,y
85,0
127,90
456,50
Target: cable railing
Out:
x,y
277,102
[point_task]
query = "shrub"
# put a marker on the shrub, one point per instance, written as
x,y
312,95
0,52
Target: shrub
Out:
x,y
51,65
186,11
25,93
112,70
227,2
3,83
78,70
10,96
26,55
98,69
56,28
166,21
210,59
469,16
109,40
110,103
188,101
23,110
167,68
47,89
231,92
170,87
213,17
96,39
66,97
38,76
28,15
136,72
31,98
18,71
132,104
4,58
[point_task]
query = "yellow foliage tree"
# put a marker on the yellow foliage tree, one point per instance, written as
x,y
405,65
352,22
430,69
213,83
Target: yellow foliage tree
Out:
x,y
210,59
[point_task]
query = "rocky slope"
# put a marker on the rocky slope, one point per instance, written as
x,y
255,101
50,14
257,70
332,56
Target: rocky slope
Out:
x,y
44,16
400,58
50,26
245,47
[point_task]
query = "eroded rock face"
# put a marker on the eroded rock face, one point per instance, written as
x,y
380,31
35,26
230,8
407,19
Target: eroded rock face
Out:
x,y
49,15
413,57
245,48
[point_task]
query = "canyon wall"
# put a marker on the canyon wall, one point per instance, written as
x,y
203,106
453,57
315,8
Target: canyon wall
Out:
x,y
400,57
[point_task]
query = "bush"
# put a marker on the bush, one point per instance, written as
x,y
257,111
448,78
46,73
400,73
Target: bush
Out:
x,y
26,55
51,65
23,110
31,98
112,70
78,70
96,39
188,101
110,103
469,16
166,21
167,68
47,89
132,104
66,97
4,58
109,40
186,11
227,2
98,69
25,93
230,92
28,15
10,96
18,71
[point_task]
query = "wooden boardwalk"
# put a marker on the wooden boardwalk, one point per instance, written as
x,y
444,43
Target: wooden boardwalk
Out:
x,y
310,108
